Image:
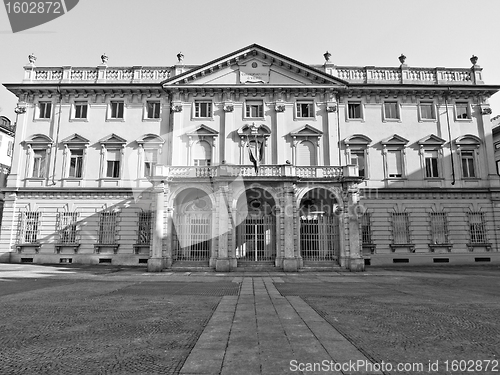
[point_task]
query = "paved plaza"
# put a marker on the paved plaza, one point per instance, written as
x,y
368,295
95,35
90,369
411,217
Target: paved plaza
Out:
x,y
111,320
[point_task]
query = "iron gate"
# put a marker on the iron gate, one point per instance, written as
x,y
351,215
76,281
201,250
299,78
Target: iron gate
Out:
x,y
192,237
319,238
256,239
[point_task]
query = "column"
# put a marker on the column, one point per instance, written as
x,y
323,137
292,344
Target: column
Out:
x,y
290,262
222,262
156,262
355,262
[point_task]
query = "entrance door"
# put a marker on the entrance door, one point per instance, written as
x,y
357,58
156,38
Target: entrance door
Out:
x,y
319,238
256,239
192,237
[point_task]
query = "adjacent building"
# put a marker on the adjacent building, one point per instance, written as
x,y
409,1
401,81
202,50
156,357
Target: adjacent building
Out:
x,y
253,158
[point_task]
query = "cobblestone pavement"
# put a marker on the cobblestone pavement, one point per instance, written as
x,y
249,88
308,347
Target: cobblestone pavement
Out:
x,y
109,320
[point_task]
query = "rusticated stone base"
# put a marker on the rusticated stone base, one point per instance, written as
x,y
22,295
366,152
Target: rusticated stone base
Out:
x,y
356,264
290,264
156,264
222,265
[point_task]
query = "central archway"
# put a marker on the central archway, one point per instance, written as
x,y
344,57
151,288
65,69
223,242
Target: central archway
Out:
x,y
319,227
256,231
192,232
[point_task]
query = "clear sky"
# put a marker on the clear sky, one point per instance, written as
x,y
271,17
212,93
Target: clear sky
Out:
x,y
356,32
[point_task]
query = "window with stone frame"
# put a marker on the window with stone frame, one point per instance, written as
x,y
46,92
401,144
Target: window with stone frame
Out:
x,y
117,109
44,110
304,108
427,110
439,228
468,164
431,162
462,111
67,227
28,227
254,109
202,109
366,228
354,110
153,109
107,227
80,110
477,227
39,167
391,110
400,228
144,232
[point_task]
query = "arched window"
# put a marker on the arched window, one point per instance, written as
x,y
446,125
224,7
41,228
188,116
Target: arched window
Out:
x,y
306,154
201,153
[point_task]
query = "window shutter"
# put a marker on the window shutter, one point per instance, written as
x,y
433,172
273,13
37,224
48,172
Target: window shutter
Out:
x,y
306,154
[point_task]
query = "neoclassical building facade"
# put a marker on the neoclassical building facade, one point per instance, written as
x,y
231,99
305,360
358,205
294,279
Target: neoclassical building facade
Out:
x,y
252,159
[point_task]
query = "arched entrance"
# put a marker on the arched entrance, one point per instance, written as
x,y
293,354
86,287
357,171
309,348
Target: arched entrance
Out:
x,y
192,232
319,227
256,231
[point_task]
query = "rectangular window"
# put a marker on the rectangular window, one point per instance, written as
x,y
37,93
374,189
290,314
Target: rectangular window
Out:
x,y
358,158
254,108
10,149
400,228
427,111
431,164
117,109
477,230
44,110
39,163
439,228
366,229
153,109
144,233
462,110
29,227
468,165
305,109
391,111
354,110
107,227
202,109
150,160
81,110
76,164
67,227
394,163
113,163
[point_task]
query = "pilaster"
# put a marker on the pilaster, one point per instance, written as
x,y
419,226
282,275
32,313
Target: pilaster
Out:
x,y
355,261
156,261
290,260
222,263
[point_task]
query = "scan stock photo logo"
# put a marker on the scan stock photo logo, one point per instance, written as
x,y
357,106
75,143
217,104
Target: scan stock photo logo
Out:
x,y
24,15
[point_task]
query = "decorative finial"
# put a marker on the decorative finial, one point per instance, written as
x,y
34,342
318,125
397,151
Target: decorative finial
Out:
x,y
180,56
473,60
32,58
327,56
104,59
402,59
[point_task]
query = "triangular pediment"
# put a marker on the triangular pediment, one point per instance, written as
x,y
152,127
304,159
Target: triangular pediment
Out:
x,y
307,131
112,139
431,140
251,66
203,131
394,140
75,139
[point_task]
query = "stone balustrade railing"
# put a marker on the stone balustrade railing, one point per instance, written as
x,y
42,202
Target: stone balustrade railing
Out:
x,y
368,74
249,171
407,75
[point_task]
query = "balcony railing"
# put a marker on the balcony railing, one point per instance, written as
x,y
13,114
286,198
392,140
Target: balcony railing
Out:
x,y
330,172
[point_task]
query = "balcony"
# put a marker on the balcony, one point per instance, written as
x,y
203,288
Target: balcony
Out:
x,y
265,171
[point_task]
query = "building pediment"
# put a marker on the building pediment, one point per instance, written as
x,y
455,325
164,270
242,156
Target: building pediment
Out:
x,y
250,66
468,140
357,139
75,139
307,131
112,139
395,140
39,139
203,130
431,140
150,140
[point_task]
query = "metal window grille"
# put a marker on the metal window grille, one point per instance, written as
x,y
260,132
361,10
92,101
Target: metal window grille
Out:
x,y
192,237
67,227
366,229
439,228
28,227
256,238
477,230
107,228
400,228
319,238
145,226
